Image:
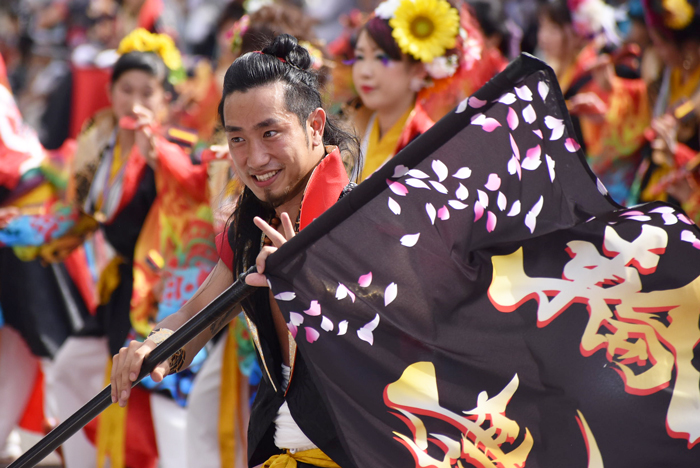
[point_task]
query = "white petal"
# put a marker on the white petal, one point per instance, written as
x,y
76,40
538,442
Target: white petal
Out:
x,y
601,187
394,206
286,296
493,183
508,99
296,319
341,292
365,335
556,125
417,183
531,221
483,198
462,173
440,170
537,207
462,106
642,219
390,294
663,209
462,192
514,209
342,327
432,212
513,165
524,93
409,240
418,174
531,164
438,186
400,171
543,89
529,114
478,119
326,324
514,146
457,205
550,166
669,219
502,202
688,236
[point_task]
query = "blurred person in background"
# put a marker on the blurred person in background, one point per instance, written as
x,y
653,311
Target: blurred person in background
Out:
x,y
670,173
602,84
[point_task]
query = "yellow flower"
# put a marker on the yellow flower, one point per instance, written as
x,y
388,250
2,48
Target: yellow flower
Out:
x,y
680,13
161,44
425,29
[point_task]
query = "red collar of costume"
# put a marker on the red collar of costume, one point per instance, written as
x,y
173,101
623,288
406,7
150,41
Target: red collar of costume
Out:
x,y
325,185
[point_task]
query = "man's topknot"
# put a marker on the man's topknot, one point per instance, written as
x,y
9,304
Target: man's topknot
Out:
x,y
287,48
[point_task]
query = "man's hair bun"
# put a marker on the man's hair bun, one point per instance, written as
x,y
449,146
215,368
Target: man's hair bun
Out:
x,y
287,47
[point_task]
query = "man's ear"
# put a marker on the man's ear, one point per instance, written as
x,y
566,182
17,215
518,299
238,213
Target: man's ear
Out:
x,y
317,124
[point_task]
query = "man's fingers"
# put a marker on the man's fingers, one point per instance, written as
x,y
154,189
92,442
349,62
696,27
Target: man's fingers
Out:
x,y
276,237
262,257
256,279
113,379
287,226
160,371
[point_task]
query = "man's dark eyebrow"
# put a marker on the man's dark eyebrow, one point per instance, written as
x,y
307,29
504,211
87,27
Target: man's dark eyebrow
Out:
x,y
264,124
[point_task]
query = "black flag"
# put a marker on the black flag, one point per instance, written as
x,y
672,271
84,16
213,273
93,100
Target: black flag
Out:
x,y
481,301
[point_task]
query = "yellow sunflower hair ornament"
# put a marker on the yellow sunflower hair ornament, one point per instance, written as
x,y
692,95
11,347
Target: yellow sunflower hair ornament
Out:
x,y
679,13
140,40
424,29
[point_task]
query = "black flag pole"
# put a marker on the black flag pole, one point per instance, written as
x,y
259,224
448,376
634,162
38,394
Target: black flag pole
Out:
x,y
238,291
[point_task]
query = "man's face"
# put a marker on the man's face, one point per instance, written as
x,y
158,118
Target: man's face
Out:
x,y
272,152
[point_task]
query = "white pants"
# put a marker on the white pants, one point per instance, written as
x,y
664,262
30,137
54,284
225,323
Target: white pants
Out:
x,y
75,377
203,414
18,371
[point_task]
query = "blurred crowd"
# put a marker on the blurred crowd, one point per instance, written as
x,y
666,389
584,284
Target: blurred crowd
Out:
x,y
115,179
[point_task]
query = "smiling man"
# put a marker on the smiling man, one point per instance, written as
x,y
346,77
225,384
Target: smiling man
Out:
x,y
288,154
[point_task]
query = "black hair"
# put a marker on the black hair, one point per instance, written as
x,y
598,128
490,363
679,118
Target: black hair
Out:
x,y
285,61
557,11
148,62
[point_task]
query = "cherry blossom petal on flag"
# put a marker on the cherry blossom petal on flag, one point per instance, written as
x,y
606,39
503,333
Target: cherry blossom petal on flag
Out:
x,y
462,106
524,93
457,205
286,296
550,166
417,174
493,183
440,169
398,188
689,236
342,292
529,114
483,198
327,324
538,132
296,319
462,192
501,201
365,280
400,171
531,216
462,173
532,158
543,89
342,327
438,186
365,333
555,125
507,99
512,119
394,206
432,212
601,188
571,145
417,183
478,210
314,309
476,103
311,334
409,240
443,213
514,146
490,221
390,293
514,209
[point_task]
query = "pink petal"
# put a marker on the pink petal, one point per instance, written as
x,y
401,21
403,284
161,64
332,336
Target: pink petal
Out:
x,y
516,150
538,132
490,221
534,153
314,309
633,213
490,125
398,188
571,145
292,329
476,103
478,211
494,182
685,219
512,119
365,280
443,213
400,171
311,334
